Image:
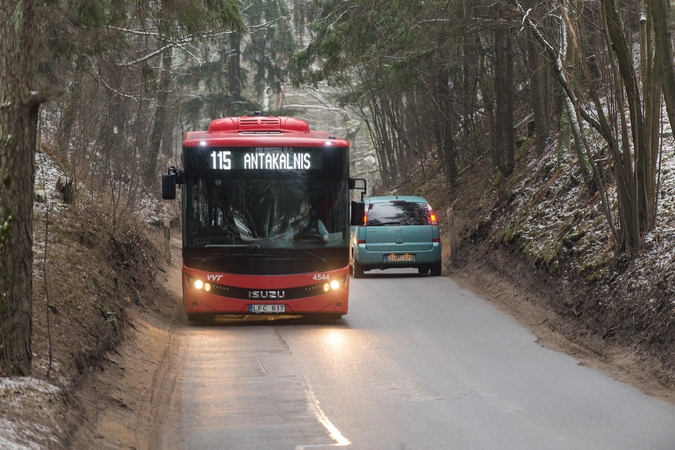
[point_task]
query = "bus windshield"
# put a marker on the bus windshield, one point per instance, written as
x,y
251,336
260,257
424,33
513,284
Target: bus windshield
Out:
x,y
232,206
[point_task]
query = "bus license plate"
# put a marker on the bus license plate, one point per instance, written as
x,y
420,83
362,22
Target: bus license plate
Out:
x,y
267,309
399,258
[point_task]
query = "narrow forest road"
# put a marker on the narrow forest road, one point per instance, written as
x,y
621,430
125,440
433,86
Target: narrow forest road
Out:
x,y
130,404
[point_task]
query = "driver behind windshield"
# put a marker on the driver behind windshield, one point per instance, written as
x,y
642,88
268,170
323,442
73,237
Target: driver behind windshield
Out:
x,y
310,224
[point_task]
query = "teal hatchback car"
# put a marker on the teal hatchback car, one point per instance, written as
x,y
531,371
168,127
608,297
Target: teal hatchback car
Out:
x,y
396,231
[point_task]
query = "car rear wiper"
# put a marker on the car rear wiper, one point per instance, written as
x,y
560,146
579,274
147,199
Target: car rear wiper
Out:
x,y
385,223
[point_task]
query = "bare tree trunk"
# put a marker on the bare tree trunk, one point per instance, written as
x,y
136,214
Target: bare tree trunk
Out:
x,y
504,136
381,142
537,89
150,174
445,142
652,100
234,65
70,109
488,102
632,199
386,147
112,135
660,12
571,58
167,134
18,131
232,80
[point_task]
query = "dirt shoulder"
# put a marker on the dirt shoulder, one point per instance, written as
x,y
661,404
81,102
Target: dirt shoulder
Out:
x,y
125,402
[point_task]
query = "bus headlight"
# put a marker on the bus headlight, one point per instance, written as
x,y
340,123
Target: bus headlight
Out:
x,y
333,284
198,284
207,287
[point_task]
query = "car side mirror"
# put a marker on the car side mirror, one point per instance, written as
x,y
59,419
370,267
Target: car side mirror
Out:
x,y
358,209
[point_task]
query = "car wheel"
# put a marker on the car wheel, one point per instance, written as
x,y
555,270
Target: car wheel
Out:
x,y
357,270
436,269
423,270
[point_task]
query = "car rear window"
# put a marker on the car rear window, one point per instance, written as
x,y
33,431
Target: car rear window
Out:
x,y
398,213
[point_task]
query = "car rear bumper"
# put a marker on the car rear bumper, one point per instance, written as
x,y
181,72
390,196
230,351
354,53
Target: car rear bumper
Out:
x,y
376,260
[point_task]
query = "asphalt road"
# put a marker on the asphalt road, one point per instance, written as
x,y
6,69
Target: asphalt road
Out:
x,y
418,363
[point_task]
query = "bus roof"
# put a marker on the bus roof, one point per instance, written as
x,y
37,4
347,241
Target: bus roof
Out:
x,y
259,130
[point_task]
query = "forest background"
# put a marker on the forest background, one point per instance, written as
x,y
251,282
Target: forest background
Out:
x,y
544,125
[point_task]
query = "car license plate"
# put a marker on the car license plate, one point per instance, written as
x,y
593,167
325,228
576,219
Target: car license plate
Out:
x,y
267,309
399,258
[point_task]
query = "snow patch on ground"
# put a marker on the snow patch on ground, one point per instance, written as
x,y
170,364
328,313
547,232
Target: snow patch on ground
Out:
x,y
19,430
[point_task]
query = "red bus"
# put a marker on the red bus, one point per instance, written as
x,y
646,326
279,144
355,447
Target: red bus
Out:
x,y
266,218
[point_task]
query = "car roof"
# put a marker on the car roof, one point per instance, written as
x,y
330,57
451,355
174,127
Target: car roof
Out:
x,y
389,198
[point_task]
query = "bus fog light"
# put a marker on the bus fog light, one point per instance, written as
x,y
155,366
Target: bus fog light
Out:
x,y
335,284
198,284
207,287
194,304
326,287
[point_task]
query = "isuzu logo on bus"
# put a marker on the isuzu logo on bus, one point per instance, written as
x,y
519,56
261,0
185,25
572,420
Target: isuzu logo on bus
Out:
x,y
266,294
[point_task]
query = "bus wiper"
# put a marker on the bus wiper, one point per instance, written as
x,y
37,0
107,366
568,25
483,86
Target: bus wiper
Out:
x,y
226,246
221,255
255,255
307,252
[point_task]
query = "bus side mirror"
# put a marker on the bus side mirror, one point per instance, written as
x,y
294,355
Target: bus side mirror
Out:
x,y
169,186
358,209
169,181
353,185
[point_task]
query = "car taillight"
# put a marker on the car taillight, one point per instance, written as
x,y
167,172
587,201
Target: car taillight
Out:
x,y
365,216
432,215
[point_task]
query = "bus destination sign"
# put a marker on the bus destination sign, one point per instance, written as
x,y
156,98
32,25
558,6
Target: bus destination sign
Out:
x,y
268,159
